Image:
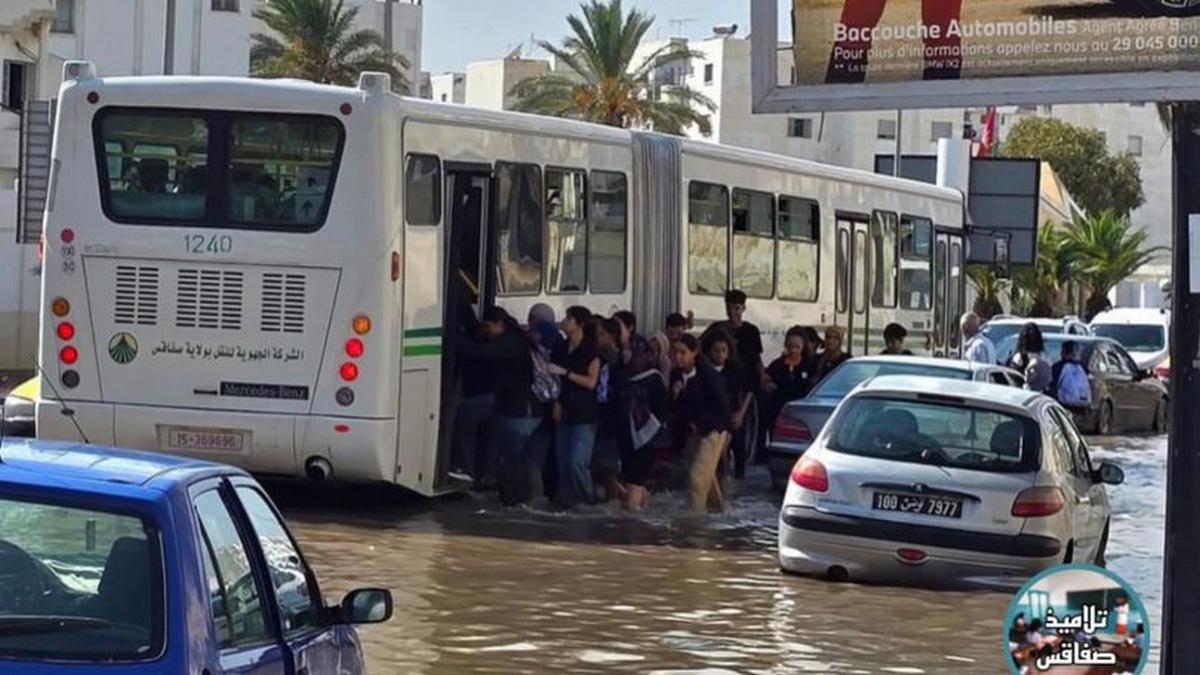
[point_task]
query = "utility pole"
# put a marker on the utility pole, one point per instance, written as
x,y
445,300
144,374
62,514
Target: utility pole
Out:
x,y
169,41
899,144
1181,585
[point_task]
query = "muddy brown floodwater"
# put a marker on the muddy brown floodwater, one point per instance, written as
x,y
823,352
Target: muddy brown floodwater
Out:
x,y
483,589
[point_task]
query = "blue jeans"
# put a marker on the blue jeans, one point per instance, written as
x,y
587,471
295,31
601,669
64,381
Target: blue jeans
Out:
x,y
573,444
472,447
512,440
535,458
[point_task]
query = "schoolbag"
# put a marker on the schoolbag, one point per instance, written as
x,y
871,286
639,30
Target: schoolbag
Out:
x,y
1073,388
546,386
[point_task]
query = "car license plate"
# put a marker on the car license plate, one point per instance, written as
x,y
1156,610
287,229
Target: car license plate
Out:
x,y
203,439
923,504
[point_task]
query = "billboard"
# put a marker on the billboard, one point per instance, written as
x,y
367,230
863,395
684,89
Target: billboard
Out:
x,y
888,54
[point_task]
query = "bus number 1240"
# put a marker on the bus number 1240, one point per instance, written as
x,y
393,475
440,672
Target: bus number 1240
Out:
x,y
198,243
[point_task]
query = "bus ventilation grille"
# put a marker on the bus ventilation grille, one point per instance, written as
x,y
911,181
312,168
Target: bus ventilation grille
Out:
x,y
136,301
209,299
283,298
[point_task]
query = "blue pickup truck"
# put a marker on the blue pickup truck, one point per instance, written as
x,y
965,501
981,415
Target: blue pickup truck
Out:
x,y
119,562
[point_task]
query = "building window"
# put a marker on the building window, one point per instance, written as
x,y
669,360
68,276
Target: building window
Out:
x,y
800,127
64,17
423,190
17,84
443,98
939,130
567,229
798,263
708,73
708,238
519,235
886,130
883,263
224,5
754,243
609,222
1135,146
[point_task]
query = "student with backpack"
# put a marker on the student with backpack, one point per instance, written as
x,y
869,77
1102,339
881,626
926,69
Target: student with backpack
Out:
x,y
1070,382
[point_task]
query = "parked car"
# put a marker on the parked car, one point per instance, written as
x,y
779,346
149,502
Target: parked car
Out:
x,y
1125,398
1144,333
141,562
933,480
1000,327
18,409
800,421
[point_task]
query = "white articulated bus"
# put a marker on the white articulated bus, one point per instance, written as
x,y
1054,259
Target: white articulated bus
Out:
x,y
263,272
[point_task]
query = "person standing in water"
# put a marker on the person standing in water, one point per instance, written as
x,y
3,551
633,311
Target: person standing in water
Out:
x,y
704,410
577,410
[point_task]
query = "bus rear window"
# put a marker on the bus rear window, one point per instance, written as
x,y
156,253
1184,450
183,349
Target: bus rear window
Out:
x,y
217,169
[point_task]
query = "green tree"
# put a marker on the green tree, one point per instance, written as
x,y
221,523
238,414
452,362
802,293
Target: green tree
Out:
x,y
989,286
316,40
605,84
1098,180
1106,250
1043,287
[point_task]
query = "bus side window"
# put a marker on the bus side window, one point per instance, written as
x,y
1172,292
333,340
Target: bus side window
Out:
x,y
754,243
519,232
708,238
883,238
916,249
566,227
422,189
799,263
608,217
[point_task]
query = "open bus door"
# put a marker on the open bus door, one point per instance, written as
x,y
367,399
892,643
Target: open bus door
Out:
x,y
468,288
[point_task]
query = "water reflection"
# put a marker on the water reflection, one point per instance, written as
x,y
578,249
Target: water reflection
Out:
x,y
480,589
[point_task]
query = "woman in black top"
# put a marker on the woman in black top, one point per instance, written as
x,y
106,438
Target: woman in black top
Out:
x,y
791,375
577,409
612,427
506,351
704,409
718,347
832,356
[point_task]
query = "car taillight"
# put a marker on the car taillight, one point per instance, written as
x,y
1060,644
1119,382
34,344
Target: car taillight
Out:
x,y
810,475
1038,502
1162,372
790,429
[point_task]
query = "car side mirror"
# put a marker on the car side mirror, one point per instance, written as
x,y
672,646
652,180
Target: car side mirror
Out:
x,y
367,605
1110,474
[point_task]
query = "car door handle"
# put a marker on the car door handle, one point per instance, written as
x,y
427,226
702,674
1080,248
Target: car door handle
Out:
x,y
1083,500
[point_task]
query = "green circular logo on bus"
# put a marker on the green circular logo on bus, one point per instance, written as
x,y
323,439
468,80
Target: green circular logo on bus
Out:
x,y
123,348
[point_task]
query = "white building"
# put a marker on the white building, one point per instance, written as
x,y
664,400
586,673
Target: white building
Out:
x,y
489,83
448,87
122,37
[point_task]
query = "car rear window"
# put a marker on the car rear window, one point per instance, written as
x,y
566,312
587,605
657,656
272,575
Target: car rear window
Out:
x,y
1134,337
853,373
78,584
936,432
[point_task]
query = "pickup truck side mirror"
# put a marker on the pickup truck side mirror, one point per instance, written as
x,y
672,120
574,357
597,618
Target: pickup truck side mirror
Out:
x,y
367,605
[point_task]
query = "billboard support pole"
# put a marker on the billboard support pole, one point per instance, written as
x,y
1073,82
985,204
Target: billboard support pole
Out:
x,y
1181,584
899,144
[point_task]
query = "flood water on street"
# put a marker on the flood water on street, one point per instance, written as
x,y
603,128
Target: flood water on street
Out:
x,y
483,589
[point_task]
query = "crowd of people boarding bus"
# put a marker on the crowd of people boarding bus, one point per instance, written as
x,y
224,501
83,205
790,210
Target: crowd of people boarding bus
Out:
x,y
593,409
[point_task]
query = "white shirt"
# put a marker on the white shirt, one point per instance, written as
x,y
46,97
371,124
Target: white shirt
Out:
x,y
980,349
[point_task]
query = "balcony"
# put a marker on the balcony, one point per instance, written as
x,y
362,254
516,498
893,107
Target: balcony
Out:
x,y
18,16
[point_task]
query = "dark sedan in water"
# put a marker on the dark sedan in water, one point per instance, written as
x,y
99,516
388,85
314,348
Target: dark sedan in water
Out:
x,y
1125,398
801,421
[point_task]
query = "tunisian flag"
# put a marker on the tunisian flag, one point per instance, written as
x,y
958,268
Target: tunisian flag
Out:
x,y
988,139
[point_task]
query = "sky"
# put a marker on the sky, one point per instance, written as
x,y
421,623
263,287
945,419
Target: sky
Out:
x,y
460,31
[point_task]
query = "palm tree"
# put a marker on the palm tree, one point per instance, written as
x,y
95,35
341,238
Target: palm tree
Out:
x,y
605,85
1044,286
989,286
1107,250
316,40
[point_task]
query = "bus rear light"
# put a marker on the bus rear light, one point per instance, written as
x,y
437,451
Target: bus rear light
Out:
x,y
346,109
93,97
70,379
342,428
395,265
344,396
349,372
361,324
60,307
68,355
67,235
65,331
354,348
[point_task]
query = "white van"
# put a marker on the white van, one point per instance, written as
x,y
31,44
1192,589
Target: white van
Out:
x,y
1145,333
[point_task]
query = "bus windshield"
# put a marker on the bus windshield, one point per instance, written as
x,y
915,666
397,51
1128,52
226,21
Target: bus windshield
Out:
x,y
252,171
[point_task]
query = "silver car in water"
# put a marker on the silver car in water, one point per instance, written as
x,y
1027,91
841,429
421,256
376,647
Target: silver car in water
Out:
x,y
932,481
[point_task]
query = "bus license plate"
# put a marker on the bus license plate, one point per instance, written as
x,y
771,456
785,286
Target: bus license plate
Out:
x,y
929,506
198,439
